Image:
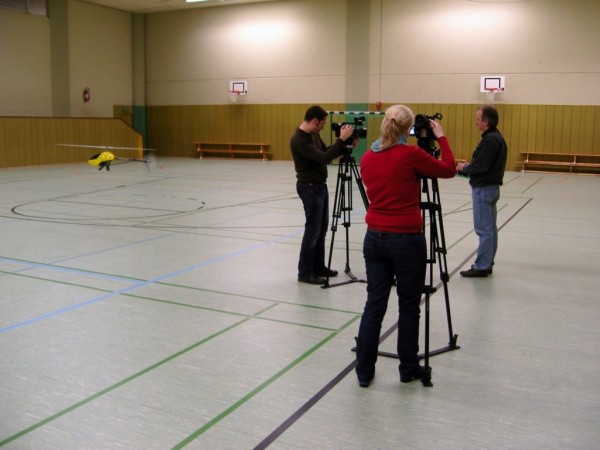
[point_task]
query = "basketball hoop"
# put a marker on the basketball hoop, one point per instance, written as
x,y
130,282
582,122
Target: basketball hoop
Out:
x,y
491,94
233,95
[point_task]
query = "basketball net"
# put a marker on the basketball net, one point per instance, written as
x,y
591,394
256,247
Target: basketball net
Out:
x,y
233,96
491,94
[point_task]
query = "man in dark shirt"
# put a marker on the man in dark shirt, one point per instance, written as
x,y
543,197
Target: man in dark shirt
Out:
x,y
311,156
485,172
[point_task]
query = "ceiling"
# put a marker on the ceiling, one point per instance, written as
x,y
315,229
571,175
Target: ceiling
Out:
x,y
152,6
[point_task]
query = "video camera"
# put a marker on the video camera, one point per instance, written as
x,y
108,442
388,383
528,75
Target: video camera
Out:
x,y
360,132
424,133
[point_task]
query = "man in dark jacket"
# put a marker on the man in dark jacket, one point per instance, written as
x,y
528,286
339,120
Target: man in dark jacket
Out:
x,y
311,156
486,173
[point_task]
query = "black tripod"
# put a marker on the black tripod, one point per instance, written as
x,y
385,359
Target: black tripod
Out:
x,y
342,208
431,208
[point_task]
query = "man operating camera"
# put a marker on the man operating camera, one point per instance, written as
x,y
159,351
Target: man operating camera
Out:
x,y
311,156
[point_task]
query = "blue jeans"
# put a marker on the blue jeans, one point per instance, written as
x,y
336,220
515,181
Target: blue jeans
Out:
x,y
315,198
484,222
388,255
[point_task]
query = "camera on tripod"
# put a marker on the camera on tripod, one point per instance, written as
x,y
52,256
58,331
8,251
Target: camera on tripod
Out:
x,y
360,132
424,133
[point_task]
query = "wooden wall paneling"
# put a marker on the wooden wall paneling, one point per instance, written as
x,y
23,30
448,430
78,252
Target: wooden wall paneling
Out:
x,y
8,148
470,128
566,143
452,123
173,129
275,120
512,131
556,144
576,137
33,140
53,154
4,150
540,136
548,127
595,146
590,130
25,137
532,127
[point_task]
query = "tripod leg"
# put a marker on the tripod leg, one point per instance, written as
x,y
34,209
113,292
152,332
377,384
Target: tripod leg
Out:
x,y
335,216
440,243
426,378
343,208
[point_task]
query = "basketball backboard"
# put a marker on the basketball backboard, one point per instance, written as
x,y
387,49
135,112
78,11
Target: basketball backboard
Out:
x,y
491,82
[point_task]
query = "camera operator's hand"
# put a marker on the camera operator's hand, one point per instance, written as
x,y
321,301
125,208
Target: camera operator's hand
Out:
x,y
346,131
437,129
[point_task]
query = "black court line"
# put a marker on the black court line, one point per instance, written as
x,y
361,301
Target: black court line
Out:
x,y
291,420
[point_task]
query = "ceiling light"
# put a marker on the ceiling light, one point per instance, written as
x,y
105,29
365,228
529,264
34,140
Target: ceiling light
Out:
x,y
499,1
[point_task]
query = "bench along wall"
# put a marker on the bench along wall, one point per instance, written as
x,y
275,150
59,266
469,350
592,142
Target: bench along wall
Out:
x,y
527,128
573,129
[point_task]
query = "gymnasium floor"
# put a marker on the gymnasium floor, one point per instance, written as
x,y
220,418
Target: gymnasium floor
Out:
x,y
161,310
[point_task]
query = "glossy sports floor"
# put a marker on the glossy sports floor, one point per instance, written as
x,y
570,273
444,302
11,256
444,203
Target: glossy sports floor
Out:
x,y
161,310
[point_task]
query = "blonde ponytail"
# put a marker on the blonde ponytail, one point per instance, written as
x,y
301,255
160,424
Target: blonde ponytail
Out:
x,y
397,121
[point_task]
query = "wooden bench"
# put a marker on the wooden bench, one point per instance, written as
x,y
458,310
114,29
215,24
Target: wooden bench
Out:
x,y
232,149
560,162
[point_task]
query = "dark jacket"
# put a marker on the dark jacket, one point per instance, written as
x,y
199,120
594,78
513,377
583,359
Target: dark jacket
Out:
x,y
311,156
489,160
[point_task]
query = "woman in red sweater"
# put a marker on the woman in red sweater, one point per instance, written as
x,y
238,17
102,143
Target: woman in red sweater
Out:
x,y
394,245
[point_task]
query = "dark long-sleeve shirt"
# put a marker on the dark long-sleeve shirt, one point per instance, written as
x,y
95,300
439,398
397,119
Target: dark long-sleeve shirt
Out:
x,y
311,156
489,160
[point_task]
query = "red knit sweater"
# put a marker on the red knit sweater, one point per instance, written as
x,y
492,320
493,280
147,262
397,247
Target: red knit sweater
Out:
x,y
392,183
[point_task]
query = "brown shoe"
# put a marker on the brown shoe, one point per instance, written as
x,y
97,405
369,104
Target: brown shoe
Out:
x,y
474,273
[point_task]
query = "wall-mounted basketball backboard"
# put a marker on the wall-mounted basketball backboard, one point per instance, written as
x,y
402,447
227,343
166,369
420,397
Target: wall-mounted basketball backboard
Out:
x,y
240,86
491,83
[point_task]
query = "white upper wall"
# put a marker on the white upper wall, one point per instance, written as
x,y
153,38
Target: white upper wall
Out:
x,y
289,51
549,50
424,52
25,88
100,57
297,51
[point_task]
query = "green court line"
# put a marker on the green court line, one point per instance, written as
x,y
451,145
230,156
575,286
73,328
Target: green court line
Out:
x,y
72,269
66,283
111,388
215,420
251,394
232,294
232,313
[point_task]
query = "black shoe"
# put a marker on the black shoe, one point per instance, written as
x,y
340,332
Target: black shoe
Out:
x,y
365,377
312,279
365,383
327,273
415,375
474,273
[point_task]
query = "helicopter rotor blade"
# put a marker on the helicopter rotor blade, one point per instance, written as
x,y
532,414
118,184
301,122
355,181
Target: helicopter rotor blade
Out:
x,y
107,147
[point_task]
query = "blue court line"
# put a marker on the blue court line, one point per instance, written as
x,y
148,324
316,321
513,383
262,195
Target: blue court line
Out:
x,y
147,282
